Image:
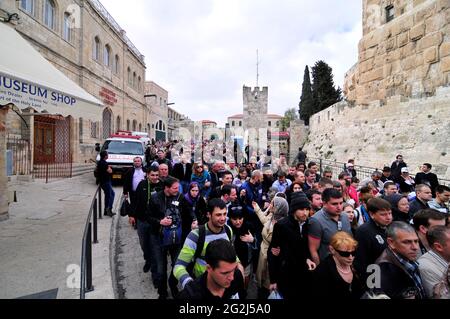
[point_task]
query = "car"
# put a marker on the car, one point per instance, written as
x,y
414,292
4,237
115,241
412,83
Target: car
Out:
x,y
121,153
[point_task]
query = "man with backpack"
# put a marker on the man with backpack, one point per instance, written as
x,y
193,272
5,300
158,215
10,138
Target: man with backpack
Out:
x,y
191,260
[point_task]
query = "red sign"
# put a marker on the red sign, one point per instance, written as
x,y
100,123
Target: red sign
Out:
x,y
109,97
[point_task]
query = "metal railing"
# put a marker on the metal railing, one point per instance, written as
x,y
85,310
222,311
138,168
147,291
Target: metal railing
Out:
x,y
21,155
89,237
362,172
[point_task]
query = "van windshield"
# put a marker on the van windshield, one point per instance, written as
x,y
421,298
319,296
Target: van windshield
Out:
x,y
123,148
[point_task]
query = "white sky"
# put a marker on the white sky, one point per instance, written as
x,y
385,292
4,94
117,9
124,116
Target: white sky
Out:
x,y
204,51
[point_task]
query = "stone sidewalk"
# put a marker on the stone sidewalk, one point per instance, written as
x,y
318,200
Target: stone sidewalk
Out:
x,y
40,244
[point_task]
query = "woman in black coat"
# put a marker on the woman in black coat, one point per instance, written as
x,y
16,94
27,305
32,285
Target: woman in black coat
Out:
x,y
335,276
193,210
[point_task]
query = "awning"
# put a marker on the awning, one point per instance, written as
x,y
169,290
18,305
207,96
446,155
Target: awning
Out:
x,y
29,81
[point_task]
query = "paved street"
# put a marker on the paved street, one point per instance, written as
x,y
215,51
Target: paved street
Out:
x,y
43,237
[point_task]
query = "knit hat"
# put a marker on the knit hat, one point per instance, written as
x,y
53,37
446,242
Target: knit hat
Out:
x,y
235,212
281,208
299,203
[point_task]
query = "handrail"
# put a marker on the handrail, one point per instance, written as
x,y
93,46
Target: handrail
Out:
x,y
86,244
365,170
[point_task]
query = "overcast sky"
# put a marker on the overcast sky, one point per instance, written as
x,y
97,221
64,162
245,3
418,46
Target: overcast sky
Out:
x,y
204,51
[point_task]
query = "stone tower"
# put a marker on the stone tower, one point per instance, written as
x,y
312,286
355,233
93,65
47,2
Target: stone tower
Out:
x,y
256,103
405,51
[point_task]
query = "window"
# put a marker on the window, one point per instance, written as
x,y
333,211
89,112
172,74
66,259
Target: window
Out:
x,y
140,127
107,56
27,6
233,123
134,79
139,84
80,129
240,123
96,49
94,129
118,123
128,125
116,64
278,124
67,31
134,125
160,101
129,76
390,13
165,103
270,123
49,13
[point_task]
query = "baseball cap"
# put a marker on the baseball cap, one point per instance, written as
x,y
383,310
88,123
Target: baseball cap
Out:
x,y
405,170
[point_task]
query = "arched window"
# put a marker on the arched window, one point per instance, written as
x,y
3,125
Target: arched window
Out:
x,y
139,84
128,125
107,123
27,6
148,128
96,49
116,64
130,79
134,125
140,127
107,56
118,123
233,123
67,28
134,80
49,14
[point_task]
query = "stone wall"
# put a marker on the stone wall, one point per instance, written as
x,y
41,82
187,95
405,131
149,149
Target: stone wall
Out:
x,y
408,56
374,134
3,179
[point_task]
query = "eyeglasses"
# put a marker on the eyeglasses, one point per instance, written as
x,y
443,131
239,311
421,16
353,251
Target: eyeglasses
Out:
x,y
346,253
233,208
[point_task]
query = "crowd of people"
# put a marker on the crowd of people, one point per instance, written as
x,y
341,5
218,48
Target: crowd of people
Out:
x,y
289,228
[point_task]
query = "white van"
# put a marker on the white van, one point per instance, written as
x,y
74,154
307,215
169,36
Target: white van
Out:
x,y
121,153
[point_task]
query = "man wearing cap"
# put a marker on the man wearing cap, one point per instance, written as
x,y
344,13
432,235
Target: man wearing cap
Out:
x,y
350,169
288,255
406,183
397,166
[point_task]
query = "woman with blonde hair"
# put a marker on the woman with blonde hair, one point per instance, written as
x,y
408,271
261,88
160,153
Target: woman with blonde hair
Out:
x,y
277,210
335,277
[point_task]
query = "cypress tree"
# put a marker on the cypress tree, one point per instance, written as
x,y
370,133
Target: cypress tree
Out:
x,y
324,92
306,100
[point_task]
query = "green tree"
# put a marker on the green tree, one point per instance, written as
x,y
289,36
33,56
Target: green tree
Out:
x,y
306,104
289,115
323,90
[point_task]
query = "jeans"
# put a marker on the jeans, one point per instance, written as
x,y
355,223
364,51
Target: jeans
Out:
x,y
143,230
185,186
109,194
159,257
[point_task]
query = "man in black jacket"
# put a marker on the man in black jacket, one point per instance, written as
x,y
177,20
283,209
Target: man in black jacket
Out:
x,y
104,173
427,178
397,166
423,196
222,279
138,216
183,172
400,276
288,254
132,178
164,217
371,236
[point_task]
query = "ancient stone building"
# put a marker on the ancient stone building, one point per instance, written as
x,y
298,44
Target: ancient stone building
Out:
x,y
405,50
82,40
156,98
397,95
